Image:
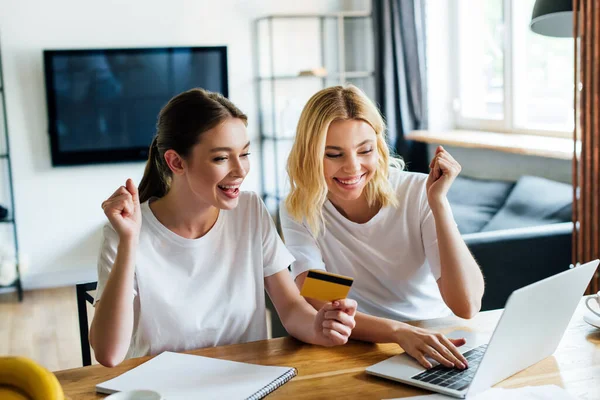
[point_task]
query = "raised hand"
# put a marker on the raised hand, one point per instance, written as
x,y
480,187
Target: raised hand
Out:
x,y
419,343
334,322
444,170
123,211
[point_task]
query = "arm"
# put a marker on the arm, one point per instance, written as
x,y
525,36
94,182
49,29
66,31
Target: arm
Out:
x,y
112,326
416,342
461,282
330,326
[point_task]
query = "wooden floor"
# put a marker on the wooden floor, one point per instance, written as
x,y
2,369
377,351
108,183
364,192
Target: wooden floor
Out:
x,y
44,327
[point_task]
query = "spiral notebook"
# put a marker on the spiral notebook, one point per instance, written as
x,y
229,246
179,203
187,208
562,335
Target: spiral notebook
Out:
x,y
179,376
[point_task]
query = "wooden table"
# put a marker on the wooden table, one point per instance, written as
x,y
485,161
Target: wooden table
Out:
x,y
339,372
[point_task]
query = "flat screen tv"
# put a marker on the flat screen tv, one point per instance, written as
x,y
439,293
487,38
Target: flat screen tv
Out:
x,y
103,103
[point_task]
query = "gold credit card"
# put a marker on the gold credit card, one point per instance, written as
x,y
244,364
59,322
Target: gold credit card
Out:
x,y
325,286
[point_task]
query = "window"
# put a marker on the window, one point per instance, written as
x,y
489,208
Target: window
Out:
x,y
510,79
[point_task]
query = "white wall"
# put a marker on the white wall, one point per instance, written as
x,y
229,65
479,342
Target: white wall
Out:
x,y
58,209
485,164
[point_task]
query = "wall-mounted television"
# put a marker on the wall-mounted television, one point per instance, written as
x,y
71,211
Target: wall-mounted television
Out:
x,y
103,103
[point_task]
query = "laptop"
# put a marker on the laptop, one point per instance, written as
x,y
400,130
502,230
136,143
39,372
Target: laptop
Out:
x,y
533,323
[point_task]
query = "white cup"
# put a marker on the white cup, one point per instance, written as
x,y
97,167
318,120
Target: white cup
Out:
x,y
136,395
595,298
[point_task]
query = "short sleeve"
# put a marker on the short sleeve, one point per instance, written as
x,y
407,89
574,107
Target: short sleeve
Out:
x,y
301,243
106,260
276,256
429,235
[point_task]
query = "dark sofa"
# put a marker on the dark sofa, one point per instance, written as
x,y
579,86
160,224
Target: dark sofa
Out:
x,y
519,232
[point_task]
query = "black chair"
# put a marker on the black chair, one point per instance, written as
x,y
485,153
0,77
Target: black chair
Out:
x,y
83,296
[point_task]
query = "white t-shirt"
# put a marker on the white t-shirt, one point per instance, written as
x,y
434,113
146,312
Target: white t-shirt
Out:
x,y
393,258
194,293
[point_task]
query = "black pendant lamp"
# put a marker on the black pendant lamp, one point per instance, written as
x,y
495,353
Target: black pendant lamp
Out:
x,y
553,18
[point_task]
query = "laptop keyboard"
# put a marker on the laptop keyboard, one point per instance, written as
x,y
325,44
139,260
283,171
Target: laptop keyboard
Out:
x,y
454,378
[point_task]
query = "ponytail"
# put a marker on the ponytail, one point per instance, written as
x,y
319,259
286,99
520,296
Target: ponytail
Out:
x,y
180,125
155,181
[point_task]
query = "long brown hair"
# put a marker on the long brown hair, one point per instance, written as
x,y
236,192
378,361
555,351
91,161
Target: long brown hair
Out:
x,y
180,125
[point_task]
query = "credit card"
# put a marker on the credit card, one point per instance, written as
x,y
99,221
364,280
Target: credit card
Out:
x,y
326,286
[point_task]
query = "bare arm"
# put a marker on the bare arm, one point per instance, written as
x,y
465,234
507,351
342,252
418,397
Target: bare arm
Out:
x,y
461,283
112,326
329,326
417,342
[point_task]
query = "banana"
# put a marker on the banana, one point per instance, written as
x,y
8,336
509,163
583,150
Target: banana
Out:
x,y
31,378
11,393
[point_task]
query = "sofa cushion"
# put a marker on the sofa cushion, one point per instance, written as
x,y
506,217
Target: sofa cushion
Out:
x,y
475,201
533,201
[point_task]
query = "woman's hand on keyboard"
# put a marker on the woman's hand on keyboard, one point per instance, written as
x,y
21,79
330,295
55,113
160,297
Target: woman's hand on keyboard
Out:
x,y
421,343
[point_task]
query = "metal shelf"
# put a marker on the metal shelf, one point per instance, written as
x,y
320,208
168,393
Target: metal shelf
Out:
x,y
16,285
275,132
13,287
347,75
336,15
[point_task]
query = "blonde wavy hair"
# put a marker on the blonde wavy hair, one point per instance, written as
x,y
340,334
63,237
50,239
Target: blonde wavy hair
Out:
x,y
305,163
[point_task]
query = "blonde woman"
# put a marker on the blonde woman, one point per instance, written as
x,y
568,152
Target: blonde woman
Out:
x,y
352,210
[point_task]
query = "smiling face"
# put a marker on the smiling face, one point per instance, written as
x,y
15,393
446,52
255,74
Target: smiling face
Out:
x,y
218,164
350,159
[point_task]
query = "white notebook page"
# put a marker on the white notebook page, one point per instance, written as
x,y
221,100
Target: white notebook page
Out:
x,y
184,376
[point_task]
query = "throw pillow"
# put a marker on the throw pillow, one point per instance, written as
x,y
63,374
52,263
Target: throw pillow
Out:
x,y
475,201
534,201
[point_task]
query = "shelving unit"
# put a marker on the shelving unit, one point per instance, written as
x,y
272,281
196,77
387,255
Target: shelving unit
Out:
x,y
8,199
339,46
